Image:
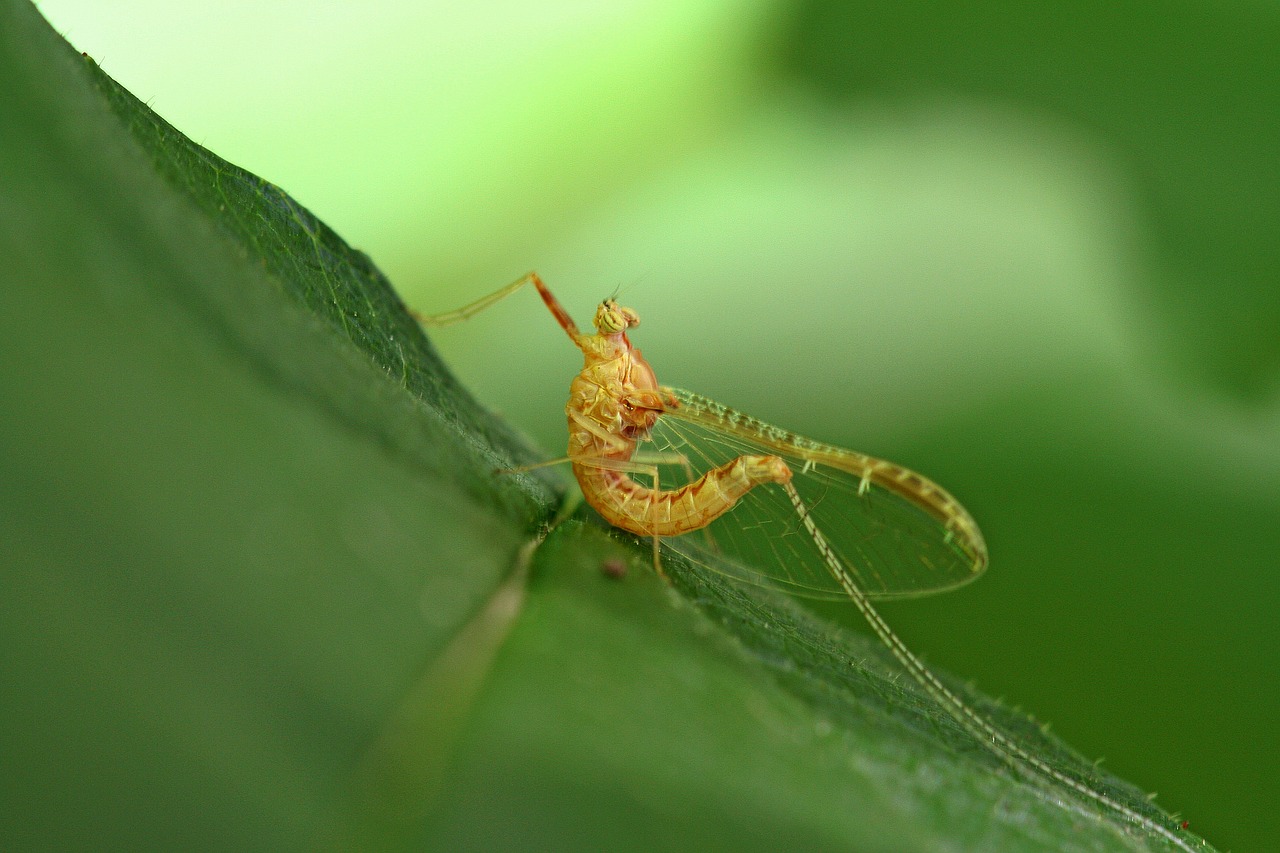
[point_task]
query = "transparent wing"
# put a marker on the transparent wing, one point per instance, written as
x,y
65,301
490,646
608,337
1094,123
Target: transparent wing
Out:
x,y
897,534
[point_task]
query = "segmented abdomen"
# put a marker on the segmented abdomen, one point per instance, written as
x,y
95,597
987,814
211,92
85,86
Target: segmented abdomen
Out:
x,y
625,503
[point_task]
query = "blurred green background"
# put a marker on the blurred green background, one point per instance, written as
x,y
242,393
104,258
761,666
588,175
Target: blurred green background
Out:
x,y
1029,251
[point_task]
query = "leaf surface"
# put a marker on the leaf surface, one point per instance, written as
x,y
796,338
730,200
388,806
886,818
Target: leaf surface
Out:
x,y
253,535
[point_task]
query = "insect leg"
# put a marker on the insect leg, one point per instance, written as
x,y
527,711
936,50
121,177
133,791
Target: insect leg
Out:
x,y
671,457
631,467
658,457
467,311
556,309
535,466
657,559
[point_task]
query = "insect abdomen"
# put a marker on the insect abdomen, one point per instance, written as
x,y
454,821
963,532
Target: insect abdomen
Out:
x,y
655,512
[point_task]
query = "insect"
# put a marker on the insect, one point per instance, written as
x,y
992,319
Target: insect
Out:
x,y
811,518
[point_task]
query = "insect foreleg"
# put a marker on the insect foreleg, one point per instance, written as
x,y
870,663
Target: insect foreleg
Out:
x,y
467,311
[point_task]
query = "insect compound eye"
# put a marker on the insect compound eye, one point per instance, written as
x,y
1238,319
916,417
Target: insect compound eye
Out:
x,y
610,319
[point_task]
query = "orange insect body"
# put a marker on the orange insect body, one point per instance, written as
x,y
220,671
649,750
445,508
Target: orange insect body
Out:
x,y
616,402
613,403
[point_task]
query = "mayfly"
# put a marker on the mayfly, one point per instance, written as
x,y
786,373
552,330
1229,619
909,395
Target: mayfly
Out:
x,y
811,518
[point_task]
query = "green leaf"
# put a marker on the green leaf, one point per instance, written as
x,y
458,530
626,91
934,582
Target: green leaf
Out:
x,y
264,589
